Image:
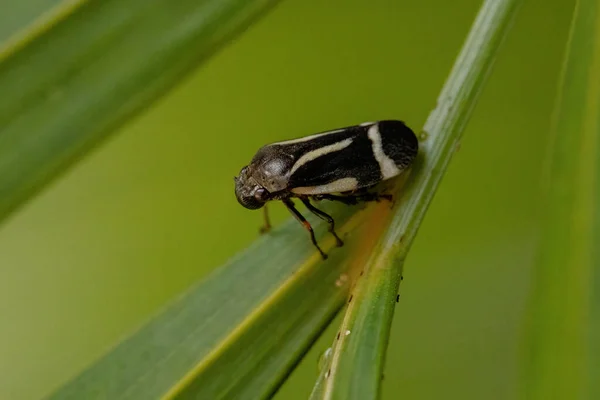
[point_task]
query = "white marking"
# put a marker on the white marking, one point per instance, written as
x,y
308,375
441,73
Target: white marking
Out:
x,y
366,123
321,151
387,166
341,185
347,332
311,137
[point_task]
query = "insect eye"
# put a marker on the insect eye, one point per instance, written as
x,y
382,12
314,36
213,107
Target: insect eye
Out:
x,y
260,194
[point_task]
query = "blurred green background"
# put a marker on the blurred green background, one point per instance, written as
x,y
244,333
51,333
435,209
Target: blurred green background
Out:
x,y
152,210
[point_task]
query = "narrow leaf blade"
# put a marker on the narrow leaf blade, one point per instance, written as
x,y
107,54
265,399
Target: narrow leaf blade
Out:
x,y
239,333
564,332
71,81
357,359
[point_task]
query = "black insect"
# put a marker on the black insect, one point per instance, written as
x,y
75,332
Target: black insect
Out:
x,y
338,165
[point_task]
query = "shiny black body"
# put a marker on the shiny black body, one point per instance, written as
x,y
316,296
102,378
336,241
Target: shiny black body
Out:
x,y
335,165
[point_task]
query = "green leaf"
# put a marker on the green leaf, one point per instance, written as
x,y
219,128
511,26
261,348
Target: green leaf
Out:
x,y
83,67
354,366
239,333
564,337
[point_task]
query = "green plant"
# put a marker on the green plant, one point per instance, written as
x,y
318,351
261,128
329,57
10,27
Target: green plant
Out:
x,y
212,340
563,348
53,113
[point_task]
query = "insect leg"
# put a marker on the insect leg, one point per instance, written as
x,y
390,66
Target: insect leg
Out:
x,y
290,205
267,225
324,216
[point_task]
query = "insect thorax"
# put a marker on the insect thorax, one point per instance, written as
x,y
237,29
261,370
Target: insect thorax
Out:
x,y
271,167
